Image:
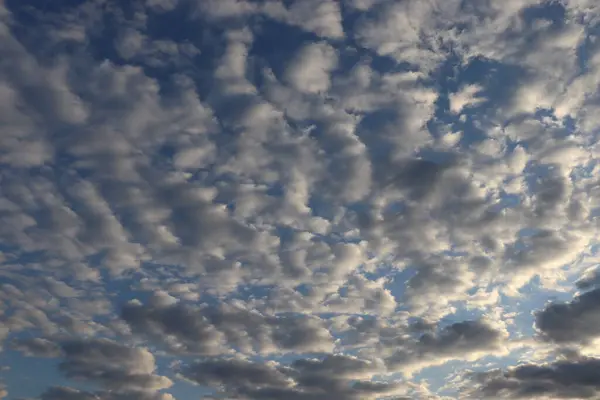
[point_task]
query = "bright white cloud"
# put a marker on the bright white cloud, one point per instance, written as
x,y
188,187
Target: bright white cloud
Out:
x,y
309,70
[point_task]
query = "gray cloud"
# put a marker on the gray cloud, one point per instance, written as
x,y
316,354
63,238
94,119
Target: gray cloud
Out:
x,y
116,367
336,375
572,322
210,330
563,379
462,340
65,393
235,373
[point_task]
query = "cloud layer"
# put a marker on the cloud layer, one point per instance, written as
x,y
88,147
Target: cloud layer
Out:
x,y
308,199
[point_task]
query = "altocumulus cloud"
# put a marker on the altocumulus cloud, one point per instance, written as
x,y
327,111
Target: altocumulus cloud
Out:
x,y
561,379
303,199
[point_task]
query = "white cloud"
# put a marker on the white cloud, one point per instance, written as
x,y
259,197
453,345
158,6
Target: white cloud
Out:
x,y
466,97
221,9
309,70
322,17
162,5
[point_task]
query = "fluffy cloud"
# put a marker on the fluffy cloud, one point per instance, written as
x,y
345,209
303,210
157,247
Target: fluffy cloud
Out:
x,y
114,366
466,97
572,322
562,379
309,70
210,331
468,340
336,375
122,371
322,17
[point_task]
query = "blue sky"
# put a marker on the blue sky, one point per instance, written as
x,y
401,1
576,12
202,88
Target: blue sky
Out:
x,y
299,199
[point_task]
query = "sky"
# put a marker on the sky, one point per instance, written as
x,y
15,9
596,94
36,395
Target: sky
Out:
x,y
299,199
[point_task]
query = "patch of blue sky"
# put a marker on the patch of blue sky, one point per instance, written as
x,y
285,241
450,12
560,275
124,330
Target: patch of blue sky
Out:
x,y
28,377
